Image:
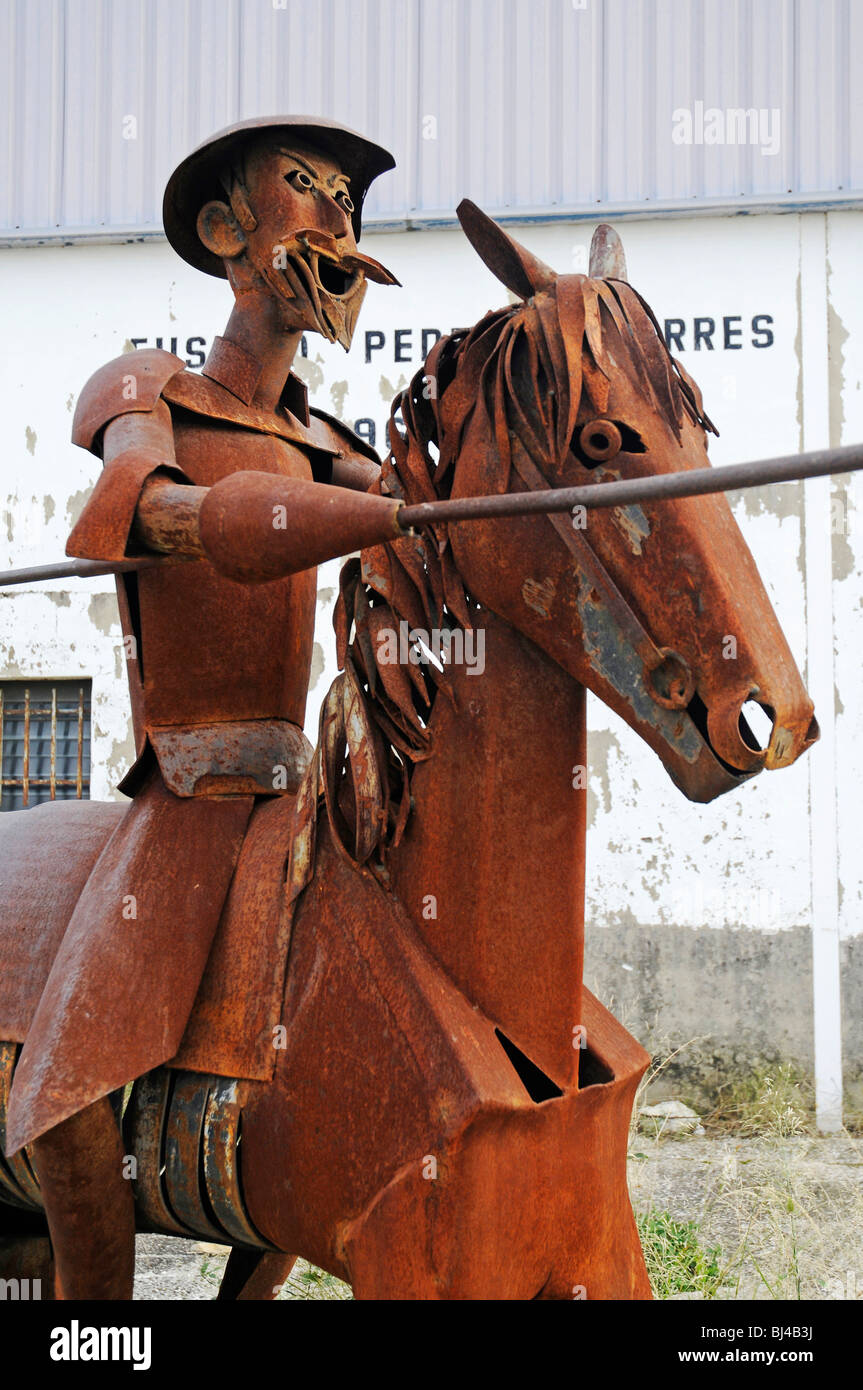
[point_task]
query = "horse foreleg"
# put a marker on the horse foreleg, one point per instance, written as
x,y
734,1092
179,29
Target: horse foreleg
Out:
x,y
89,1205
255,1275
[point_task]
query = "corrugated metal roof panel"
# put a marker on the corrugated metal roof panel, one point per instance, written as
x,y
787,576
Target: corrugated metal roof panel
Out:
x,y
519,104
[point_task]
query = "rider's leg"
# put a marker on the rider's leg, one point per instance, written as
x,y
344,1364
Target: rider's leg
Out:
x,y
89,1204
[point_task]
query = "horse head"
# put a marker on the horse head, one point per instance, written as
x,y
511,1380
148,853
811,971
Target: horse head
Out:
x,y
659,609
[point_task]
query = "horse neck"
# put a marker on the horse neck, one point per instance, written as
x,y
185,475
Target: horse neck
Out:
x,y
491,868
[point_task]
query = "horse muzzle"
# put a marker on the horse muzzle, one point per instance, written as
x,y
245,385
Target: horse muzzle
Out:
x,y
761,731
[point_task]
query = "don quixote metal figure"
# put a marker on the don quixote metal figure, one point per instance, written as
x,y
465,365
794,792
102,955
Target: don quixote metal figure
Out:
x,y
366,960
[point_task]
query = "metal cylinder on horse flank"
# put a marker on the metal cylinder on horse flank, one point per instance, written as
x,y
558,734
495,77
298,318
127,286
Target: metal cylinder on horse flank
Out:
x,y
657,488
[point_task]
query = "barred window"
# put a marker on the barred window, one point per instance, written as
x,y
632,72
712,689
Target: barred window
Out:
x,y
44,742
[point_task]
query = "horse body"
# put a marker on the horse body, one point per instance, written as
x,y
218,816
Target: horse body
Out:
x,y
448,1108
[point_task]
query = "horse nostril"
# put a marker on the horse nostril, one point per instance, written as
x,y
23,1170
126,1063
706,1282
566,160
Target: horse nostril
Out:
x,y
756,723
813,733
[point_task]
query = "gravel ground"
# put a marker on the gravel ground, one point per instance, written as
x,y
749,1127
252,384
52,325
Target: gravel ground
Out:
x,y
168,1268
785,1214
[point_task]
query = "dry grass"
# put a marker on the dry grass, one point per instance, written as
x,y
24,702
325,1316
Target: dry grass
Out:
x,y
763,1208
777,1101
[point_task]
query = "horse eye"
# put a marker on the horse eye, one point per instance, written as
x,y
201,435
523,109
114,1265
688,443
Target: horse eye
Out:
x,y
600,440
300,179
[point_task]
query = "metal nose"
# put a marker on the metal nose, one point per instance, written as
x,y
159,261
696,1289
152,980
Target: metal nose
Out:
x,y
334,219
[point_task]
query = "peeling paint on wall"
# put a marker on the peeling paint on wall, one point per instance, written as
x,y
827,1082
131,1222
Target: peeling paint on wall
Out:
x,y
103,613
317,665
338,391
388,392
781,500
844,563
600,747
76,504
310,371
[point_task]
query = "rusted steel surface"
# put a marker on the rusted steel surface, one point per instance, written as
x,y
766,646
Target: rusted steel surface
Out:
x,y
18,1183
200,176
232,1028
36,900
257,756
183,1129
476,1189
433,1105
239,529
182,1150
28,1260
94,1242
144,1126
182,1133
255,1275
125,975
221,1160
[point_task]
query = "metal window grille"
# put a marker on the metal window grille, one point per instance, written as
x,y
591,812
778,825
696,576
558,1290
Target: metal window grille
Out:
x,y
44,742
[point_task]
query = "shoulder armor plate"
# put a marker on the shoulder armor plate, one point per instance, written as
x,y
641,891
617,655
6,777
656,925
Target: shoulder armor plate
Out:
x,y
107,394
343,434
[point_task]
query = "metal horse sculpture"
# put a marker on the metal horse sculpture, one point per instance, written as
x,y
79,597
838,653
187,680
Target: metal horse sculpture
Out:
x,y
430,1105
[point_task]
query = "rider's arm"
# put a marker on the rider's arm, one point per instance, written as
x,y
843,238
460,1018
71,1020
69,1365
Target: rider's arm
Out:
x,y
138,455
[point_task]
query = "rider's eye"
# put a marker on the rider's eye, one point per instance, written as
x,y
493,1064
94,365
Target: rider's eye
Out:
x,y
300,179
344,200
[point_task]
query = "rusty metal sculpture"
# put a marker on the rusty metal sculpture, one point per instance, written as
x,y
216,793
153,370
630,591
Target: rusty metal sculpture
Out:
x,y
371,962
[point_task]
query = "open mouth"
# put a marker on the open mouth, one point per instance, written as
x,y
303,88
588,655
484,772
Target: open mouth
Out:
x,y
320,273
331,278
329,274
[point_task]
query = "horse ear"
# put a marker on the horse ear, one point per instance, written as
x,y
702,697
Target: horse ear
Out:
x,y
515,267
607,261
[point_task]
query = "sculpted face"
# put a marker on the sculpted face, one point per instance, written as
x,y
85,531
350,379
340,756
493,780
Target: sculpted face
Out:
x,y
289,224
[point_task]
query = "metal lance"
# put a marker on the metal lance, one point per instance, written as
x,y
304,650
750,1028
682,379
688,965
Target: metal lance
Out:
x,y
658,487
322,523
